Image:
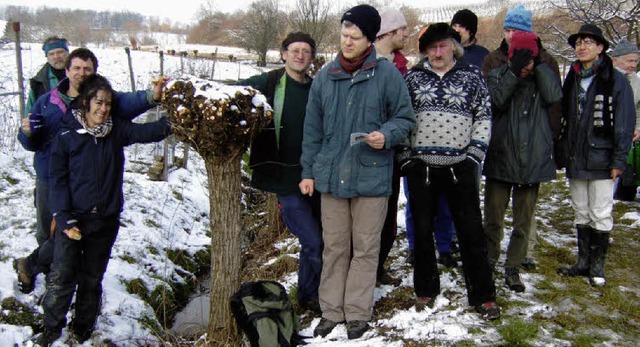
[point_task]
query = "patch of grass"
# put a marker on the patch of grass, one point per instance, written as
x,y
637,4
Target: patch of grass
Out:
x,y
151,223
15,312
128,258
517,332
178,196
401,298
136,286
12,181
183,259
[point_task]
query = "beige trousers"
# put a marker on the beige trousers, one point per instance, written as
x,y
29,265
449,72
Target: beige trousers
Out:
x,y
351,234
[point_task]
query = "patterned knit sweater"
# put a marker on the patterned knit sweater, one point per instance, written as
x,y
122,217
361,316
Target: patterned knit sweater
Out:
x,y
453,114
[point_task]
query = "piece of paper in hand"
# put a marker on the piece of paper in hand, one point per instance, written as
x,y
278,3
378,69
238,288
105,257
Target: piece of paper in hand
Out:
x,y
357,138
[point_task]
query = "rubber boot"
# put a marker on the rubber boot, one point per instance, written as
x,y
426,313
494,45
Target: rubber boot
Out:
x,y
598,253
581,268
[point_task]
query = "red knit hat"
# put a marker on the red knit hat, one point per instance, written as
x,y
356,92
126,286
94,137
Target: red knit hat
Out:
x,y
524,40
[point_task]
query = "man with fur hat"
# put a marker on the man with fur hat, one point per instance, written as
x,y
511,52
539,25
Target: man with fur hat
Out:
x,y
520,155
625,59
358,111
391,39
275,158
453,113
465,22
599,119
520,19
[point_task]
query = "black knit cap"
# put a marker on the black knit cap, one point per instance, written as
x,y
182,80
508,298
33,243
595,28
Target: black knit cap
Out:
x,y
467,19
298,36
436,32
366,18
589,30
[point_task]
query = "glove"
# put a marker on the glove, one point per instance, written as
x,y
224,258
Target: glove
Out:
x,y
519,59
36,121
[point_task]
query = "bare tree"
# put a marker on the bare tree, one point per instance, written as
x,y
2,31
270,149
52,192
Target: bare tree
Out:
x,y
314,18
263,26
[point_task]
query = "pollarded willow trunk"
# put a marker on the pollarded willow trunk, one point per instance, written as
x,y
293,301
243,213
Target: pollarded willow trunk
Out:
x,y
224,179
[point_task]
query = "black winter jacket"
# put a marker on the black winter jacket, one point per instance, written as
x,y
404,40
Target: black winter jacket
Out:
x,y
592,150
87,172
521,146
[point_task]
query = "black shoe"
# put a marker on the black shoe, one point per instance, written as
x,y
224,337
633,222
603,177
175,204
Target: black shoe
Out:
x,y
453,247
26,282
312,306
529,264
47,337
410,258
447,260
423,302
489,310
324,327
80,333
384,278
356,328
512,279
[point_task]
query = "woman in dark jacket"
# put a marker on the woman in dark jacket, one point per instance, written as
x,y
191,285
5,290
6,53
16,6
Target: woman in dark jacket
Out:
x,y
87,166
520,153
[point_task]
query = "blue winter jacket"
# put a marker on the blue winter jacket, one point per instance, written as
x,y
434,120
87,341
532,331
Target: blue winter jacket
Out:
x,y
54,105
374,99
87,172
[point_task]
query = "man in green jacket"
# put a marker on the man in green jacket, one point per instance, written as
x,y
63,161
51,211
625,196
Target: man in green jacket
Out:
x,y
52,72
520,153
275,158
358,110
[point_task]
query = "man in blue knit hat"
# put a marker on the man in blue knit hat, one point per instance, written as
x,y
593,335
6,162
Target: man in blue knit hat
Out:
x,y
518,19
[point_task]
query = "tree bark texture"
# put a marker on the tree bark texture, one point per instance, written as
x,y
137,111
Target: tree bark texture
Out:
x,y
224,179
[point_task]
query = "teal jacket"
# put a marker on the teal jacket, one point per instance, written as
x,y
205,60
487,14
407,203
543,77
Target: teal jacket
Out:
x,y
374,99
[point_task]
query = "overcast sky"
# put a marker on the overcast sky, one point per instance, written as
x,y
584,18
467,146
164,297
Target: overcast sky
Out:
x,y
185,10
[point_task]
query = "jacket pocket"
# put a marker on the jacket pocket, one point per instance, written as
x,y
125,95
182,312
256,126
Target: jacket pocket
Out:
x,y
600,154
374,172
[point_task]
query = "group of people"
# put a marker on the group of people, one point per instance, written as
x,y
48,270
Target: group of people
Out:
x,y
77,127
338,147
367,121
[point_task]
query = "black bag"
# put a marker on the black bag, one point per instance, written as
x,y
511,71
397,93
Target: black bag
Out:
x,y
264,313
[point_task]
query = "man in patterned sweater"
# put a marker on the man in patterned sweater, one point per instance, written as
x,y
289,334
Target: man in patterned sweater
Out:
x,y
451,103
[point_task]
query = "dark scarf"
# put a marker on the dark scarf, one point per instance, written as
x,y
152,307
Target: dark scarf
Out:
x,y
353,65
602,71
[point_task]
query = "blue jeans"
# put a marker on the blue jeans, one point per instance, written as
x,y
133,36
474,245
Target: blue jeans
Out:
x,y
301,214
408,216
78,267
445,231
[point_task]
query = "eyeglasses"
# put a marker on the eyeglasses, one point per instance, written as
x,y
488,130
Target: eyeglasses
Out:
x,y
303,52
586,42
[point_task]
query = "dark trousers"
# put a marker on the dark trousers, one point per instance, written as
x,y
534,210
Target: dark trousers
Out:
x,y
79,264
459,185
301,214
390,227
39,261
43,213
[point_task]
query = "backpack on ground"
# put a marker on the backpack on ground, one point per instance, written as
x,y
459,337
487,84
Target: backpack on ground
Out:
x,y
264,313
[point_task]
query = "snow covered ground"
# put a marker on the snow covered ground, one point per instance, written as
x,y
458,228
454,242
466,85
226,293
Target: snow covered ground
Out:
x,y
159,216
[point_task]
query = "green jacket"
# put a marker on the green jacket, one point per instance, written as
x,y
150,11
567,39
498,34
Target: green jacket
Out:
x,y
521,146
375,98
276,164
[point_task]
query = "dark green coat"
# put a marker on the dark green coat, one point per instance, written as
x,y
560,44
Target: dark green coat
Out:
x,y
276,168
521,146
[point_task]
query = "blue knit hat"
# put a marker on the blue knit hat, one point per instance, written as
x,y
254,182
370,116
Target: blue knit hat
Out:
x,y
519,18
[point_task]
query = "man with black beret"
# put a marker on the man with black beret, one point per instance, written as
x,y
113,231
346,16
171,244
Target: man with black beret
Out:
x,y
451,103
599,118
358,111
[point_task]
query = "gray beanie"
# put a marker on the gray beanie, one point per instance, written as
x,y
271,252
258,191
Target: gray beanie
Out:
x,y
624,47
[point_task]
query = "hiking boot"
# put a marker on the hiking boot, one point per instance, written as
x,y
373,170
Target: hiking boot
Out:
x,y
410,258
529,264
423,302
512,279
80,333
312,306
489,310
356,328
47,337
26,282
383,277
324,327
447,260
